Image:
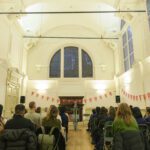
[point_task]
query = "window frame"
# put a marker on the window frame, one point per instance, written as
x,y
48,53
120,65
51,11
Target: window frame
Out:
x,y
62,49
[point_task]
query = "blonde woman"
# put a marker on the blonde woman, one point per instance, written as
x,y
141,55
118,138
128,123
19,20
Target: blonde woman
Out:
x,y
124,120
51,119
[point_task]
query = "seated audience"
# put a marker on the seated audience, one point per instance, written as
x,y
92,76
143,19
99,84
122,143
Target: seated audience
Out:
x,y
32,115
138,115
18,121
64,119
51,118
111,114
1,119
147,118
18,133
124,119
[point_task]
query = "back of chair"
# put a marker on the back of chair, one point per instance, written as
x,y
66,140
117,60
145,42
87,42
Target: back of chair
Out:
x,y
128,140
108,133
144,129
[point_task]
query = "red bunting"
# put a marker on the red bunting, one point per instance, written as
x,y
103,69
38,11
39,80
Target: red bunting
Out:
x,y
144,96
140,97
37,95
110,93
47,98
58,101
148,94
90,99
32,93
95,98
100,97
53,99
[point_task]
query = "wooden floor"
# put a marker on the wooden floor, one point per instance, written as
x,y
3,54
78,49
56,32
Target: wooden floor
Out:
x,y
79,140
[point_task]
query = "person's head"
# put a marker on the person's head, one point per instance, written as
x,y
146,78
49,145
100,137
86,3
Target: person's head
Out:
x,y
93,111
1,110
148,111
38,110
53,112
32,105
20,109
124,112
136,112
62,110
98,109
112,112
103,111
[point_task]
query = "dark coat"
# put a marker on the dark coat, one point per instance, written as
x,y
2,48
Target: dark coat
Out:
x,y
129,140
19,122
19,139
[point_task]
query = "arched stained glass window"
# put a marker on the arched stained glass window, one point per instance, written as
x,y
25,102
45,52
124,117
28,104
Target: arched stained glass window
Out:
x,y
55,65
71,62
87,65
74,58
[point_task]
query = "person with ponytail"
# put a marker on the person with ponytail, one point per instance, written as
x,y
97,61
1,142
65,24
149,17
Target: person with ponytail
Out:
x,y
51,118
124,120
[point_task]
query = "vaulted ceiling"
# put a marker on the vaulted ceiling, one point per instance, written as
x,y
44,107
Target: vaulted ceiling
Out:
x,y
100,24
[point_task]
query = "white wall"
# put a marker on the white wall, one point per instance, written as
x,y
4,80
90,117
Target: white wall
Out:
x,y
136,81
87,89
11,50
44,50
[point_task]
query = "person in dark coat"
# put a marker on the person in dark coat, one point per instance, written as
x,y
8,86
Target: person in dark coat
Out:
x,y
18,121
138,115
18,139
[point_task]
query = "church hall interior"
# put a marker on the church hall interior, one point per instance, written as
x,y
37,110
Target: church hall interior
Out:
x,y
74,53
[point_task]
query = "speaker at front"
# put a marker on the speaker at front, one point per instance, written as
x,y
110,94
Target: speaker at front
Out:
x,y
117,99
22,99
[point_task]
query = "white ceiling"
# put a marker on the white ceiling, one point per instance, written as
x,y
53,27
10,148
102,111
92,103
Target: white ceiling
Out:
x,y
41,24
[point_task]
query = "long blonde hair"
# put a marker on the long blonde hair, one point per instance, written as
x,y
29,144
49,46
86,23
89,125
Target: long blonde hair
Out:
x,y
53,112
125,113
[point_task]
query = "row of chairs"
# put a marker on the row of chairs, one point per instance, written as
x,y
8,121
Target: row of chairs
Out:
x,y
109,136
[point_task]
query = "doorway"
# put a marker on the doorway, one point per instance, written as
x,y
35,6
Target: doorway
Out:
x,y
68,102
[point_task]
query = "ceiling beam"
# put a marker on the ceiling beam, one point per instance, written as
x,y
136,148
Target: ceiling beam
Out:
x,y
73,12
71,37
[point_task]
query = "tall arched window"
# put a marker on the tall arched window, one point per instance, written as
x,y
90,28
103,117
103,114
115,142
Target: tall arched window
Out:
x,y
148,11
76,63
87,65
55,65
128,50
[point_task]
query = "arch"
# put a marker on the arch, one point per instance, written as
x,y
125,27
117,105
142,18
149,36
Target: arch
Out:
x,y
55,65
71,62
87,65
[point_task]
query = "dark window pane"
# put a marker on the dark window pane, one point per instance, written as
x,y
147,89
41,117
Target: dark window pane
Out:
x,y
124,39
122,24
55,65
126,64
125,51
129,33
148,7
131,59
130,46
87,66
71,62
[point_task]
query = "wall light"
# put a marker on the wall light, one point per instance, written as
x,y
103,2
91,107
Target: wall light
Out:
x,y
41,85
